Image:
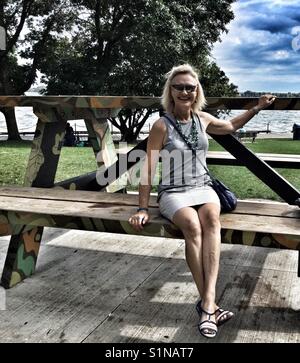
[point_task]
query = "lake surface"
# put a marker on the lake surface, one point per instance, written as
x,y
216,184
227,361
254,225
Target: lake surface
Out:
x,y
277,121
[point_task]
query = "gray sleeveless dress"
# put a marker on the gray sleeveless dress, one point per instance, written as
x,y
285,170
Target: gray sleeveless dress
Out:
x,y
184,182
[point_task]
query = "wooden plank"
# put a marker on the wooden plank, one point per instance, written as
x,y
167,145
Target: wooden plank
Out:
x,y
267,208
73,195
274,160
225,158
227,155
83,292
160,311
250,207
255,294
117,102
264,156
267,224
78,283
244,207
68,208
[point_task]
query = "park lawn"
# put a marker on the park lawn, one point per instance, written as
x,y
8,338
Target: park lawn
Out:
x,y
14,156
274,146
247,185
75,161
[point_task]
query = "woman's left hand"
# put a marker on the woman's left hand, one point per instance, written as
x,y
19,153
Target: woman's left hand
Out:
x,y
265,101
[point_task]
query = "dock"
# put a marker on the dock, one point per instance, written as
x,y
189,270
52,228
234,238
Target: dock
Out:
x,y
111,288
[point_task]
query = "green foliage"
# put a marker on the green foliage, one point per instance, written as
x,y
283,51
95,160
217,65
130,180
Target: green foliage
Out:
x,y
215,82
96,47
126,47
32,27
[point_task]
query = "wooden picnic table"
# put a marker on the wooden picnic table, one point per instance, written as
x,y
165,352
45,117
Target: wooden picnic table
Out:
x,y
290,161
241,134
53,112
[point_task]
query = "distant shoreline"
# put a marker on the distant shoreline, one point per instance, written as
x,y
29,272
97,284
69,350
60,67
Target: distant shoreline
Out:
x,y
271,135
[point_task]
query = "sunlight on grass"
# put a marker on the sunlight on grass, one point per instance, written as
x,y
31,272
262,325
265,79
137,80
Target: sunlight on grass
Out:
x,y
75,161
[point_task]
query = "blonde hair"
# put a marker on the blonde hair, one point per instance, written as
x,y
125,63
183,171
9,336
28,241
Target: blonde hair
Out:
x,y
167,99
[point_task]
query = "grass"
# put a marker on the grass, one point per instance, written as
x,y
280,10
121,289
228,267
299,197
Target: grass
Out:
x,y
275,146
75,161
247,185
14,156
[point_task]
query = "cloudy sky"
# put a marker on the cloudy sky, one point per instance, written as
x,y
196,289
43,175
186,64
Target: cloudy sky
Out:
x,y
261,51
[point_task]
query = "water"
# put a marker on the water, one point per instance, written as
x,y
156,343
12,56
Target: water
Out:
x,y
277,121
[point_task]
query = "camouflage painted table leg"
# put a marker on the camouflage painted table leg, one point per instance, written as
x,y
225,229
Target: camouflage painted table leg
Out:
x,y
5,228
21,256
104,149
41,169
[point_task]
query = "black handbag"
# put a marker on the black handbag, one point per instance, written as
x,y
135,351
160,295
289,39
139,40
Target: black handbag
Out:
x,y
227,198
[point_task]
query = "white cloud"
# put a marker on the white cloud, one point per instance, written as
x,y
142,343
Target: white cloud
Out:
x,y
254,58
295,30
269,3
280,54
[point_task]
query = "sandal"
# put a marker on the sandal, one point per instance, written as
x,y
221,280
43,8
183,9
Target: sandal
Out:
x,y
222,316
208,328
198,307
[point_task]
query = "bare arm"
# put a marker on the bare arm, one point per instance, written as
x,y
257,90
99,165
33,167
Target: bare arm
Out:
x,y
223,127
154,145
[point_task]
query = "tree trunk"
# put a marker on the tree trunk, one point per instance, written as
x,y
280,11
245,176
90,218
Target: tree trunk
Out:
x,y
11,123
129,136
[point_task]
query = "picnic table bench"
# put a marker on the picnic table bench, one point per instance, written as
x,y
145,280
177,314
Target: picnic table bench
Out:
x,y
257,223
46,206
288,161
241,134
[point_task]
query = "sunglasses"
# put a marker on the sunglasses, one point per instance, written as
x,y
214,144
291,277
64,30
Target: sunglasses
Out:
x,y
184,87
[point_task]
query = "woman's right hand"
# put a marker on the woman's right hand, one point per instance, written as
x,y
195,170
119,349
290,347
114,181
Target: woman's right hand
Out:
x,y
138,220
265,101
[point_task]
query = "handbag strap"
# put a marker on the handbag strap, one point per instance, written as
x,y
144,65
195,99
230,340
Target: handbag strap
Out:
x,y
181,135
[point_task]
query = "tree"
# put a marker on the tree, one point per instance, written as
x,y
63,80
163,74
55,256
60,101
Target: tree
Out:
x,y
215,82
126,47
31,27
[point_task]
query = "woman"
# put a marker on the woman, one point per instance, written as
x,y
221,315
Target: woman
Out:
x,y
186,197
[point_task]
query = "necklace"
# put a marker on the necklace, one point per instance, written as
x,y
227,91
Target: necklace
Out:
x,y
193,137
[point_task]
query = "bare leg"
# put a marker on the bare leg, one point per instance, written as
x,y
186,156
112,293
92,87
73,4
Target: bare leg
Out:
x,y
211,239
187,220
202,236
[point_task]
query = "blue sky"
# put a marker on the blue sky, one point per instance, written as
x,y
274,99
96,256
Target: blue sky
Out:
x,y
261,51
